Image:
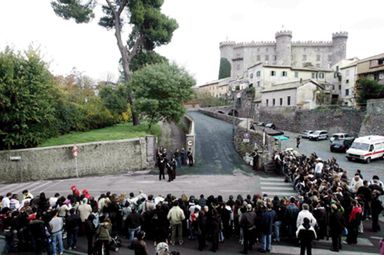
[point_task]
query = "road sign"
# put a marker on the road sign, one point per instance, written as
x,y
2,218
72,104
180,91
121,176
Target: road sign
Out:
x,y
190,143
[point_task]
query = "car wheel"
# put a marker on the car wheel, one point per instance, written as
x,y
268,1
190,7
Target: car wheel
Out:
x,y
368,160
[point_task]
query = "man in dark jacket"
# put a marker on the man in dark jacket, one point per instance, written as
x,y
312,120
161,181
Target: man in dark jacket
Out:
x,y
290,216
306,234
72,225
336,226
133,222
247,223
268,219
202,231
38,234
377,207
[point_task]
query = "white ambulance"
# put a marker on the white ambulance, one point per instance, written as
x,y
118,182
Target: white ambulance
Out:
x,y
366,148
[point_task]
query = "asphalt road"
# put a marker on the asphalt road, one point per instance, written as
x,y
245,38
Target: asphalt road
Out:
x,y
321,148
215,153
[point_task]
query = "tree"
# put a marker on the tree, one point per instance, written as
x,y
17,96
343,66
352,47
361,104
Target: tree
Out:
x,y
26,101
149,27
225,68
368,89
114,99
161,90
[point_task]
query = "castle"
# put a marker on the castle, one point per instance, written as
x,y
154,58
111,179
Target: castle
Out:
x,y
284,52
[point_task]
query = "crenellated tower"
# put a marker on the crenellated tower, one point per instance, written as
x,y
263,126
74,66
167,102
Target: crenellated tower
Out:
x,y
283,48
339,46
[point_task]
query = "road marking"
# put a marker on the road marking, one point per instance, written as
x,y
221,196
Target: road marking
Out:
x,y
7,187
23,186
41,185
276,183
53,184
278,188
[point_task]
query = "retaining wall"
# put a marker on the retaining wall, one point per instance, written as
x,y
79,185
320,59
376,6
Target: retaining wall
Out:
x,y
96,158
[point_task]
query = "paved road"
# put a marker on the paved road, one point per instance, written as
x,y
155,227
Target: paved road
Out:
x,y
215,153
322,149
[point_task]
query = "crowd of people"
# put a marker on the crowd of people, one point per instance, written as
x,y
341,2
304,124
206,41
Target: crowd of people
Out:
x,y
328,204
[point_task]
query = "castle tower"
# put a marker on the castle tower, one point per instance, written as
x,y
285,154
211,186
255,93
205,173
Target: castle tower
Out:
x,y
283,48
226,51
339,46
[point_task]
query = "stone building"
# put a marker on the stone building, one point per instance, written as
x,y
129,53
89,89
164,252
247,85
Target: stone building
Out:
x,y
217,88
372,68
284,52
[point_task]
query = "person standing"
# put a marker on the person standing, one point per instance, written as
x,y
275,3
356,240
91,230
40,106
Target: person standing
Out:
x,y
255,160
336,227
162,164
72,225
133,222
175,217
247,224
190,157
177,156
56,224
290,215
183,157
354,221
215,224
306,234
268,218
103,234
377,208
202,227
139,245
297,142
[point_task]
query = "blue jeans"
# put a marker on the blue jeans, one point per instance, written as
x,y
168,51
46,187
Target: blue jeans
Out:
x,y
266,242
276,230
57,238
131,233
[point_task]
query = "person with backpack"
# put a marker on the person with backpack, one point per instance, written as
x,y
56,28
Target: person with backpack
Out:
x,y
306,234
103,236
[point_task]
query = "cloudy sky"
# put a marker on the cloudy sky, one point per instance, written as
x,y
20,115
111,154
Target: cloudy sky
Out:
x,y
202,25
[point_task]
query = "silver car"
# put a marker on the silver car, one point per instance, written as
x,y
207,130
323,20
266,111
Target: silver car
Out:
x,y
318,135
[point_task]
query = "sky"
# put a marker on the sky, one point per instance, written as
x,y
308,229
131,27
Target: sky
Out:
x,y
203,24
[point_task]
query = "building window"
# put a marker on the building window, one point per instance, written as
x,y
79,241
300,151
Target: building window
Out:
x,y
273,73
258,73
339,87
317,57
288,100
258,57
313,75
321,75
347,92
266,102
273,102
266,49
296,74
251,76
346,81
275,57
304,57
380,61
333,87
284,73
266,57
258,84
281,101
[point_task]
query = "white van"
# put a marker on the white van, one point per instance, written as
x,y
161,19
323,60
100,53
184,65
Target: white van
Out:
x,y
366,148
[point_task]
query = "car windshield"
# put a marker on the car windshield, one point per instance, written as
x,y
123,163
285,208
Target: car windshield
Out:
x,y
360,146
337,141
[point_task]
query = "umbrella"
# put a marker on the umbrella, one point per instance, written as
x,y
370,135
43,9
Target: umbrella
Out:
x,y
281,137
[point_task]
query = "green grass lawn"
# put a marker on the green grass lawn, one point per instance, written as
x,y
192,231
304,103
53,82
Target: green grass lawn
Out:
x,y
116,132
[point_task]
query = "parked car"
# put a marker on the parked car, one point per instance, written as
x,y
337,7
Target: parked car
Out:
x,y
366,148
270,125
318,135
341,145
261,124
305,134
339,136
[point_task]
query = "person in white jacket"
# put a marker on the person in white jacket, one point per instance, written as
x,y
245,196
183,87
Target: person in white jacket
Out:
x,y
305,213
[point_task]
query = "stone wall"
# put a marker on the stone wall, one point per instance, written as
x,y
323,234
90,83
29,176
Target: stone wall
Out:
x,y
331,119
97,158
373,122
